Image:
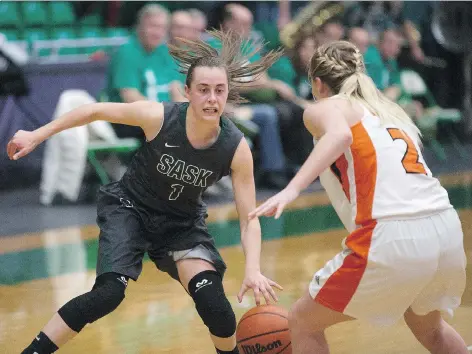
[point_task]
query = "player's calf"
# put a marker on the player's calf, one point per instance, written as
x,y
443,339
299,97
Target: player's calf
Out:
x,y
105,296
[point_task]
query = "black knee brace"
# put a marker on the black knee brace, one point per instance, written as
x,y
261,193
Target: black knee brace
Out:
x,y
105,296
206,289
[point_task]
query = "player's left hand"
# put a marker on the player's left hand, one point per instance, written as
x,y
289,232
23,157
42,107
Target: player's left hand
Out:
x,y
275,205
261,286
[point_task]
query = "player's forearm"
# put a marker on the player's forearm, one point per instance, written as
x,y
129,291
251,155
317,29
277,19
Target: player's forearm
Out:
x,y
75,118
251,242
330,147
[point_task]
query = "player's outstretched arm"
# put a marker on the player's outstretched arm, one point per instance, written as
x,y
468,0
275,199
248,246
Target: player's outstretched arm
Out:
x,y
245,197
324,119
145,114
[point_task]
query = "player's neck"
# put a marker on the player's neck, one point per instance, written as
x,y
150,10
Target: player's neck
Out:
x,y
201,133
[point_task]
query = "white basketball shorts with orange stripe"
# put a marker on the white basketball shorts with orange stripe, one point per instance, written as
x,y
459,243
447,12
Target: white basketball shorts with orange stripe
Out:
x,y
388,266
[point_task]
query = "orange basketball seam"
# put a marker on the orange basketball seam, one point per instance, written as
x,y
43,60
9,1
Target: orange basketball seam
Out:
x,y
260,313
263,334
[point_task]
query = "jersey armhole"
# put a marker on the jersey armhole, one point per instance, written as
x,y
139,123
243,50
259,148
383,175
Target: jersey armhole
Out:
x,y
162,125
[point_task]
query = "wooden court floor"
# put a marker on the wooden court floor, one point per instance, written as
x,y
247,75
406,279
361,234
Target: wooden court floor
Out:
x,y
158,317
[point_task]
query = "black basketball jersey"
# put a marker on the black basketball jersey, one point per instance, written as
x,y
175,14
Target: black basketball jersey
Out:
x,y
169,175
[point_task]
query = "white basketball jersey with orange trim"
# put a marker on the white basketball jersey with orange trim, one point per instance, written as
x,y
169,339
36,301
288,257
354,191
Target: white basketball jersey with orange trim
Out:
x,y
382,176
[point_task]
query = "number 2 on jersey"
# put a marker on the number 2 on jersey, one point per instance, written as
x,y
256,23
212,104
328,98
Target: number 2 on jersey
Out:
x,y
176,190
410,160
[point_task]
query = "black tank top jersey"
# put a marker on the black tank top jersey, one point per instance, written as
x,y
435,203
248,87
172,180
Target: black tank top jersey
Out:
x,y
169,175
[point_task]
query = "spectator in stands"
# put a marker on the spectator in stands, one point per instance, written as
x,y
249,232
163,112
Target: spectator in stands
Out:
x,y
382,66
446,83
181,25
359,37
292,68
272,160
332,30
143,69
199,21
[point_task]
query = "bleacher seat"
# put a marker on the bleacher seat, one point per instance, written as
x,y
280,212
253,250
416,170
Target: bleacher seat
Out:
x,y
91,33
9,16
61,13
33,34
11,34
65,33
34,13
93,19
116,32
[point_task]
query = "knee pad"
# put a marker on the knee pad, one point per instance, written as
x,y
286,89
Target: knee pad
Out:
x,y
105,296
206,289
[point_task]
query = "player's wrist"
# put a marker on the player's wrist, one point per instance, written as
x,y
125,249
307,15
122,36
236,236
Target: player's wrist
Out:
x,y
252,268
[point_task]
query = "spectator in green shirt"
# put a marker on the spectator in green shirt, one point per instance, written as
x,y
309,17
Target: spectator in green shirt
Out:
x,y
360,38
273,166
382,66
143,69
181,26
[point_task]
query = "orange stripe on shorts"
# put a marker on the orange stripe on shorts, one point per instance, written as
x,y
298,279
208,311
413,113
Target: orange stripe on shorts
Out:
x,y
342,284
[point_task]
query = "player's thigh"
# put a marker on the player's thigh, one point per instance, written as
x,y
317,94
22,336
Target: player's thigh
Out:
x,y
121,242
378,284
445,289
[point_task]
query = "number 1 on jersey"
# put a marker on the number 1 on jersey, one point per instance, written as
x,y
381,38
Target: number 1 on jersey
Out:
x,y
410,160
176,190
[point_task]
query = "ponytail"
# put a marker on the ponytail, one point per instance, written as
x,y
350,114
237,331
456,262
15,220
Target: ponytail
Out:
x,y
362,89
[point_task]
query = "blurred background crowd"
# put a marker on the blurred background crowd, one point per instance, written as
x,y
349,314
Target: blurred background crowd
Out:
x,y
56,56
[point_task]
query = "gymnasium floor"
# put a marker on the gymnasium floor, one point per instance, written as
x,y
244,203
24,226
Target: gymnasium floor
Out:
x,y
39,272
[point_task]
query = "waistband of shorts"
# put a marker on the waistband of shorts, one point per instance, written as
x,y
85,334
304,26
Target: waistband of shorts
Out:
x,y
422,215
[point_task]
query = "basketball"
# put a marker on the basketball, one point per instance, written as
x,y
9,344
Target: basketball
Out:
x,y
264,329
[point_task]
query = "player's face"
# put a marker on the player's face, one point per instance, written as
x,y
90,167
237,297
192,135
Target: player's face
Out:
x,y
208,92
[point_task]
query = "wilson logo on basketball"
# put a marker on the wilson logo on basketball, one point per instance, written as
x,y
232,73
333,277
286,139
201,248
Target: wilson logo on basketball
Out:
x,y
259,348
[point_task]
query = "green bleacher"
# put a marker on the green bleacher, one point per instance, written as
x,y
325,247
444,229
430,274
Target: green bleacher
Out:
x,y
30,21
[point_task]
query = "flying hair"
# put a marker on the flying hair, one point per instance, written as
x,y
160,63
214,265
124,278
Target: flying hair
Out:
x,y
234,56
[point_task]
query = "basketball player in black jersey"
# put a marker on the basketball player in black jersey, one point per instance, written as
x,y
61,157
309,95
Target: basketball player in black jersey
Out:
x,y
157,206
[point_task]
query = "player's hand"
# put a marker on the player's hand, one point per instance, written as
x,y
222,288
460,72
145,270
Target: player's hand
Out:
x,y
276,204
260,286
21,144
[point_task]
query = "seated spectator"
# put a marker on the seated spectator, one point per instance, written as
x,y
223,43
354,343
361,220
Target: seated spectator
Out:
x,y
143,69
332,30
360,38
239,19
381,64
181,26
199,22
292,69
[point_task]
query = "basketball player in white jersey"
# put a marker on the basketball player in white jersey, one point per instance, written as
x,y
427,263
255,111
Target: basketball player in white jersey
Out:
x,y
404,255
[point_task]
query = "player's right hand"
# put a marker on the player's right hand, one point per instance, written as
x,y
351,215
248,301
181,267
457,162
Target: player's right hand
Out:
x,y
21,144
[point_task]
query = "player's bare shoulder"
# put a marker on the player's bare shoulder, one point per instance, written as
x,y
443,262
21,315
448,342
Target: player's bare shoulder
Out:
x,y
151,117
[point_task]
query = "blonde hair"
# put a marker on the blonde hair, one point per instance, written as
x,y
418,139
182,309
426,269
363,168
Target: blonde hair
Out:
x,y
234,56
340,65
